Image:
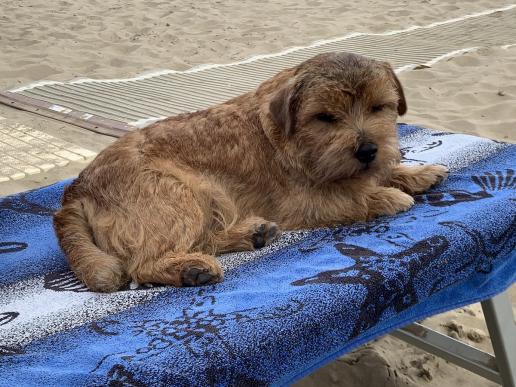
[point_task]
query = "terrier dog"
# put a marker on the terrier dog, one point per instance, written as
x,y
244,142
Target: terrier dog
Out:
x,y
315,145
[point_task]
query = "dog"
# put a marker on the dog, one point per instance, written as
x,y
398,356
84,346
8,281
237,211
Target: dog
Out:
x,y
315,145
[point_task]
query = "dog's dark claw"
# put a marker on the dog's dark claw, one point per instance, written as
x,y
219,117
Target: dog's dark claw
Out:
x,y
264,234
258,242
195,277
204,278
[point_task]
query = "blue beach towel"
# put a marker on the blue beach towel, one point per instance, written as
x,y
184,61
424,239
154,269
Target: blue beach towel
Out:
x,y
282,311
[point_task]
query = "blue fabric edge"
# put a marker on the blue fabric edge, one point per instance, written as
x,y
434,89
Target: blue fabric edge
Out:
x,y
292,378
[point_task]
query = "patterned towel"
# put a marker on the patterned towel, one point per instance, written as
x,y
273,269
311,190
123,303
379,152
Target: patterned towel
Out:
x,y
281,312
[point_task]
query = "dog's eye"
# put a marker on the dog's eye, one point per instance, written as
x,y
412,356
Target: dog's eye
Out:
x,y
326,117
377,108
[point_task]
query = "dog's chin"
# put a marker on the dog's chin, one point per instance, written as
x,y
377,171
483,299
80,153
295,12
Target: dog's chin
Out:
x,y
336,174
372,170
367,167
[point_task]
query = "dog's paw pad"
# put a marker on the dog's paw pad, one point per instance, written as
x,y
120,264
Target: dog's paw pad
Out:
x,y
196,276
264,234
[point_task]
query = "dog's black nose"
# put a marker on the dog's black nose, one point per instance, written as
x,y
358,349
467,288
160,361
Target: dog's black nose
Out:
x,y
366,152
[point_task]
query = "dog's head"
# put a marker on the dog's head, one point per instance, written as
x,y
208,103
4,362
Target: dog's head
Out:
x,y
335,115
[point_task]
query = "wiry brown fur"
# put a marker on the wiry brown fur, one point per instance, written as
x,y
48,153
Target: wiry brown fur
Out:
x,y
160,203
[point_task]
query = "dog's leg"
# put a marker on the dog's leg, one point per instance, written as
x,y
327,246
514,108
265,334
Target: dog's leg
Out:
x,y
387,201
250,234
179,269
418,178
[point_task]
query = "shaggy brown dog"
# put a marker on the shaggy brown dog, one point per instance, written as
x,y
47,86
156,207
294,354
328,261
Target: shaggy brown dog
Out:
x,y
313,146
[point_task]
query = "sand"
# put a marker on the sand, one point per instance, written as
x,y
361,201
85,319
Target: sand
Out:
x,y
474,93
61,39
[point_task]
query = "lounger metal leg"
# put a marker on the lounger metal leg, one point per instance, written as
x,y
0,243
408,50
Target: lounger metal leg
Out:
x,y
502,329
452,350
500,368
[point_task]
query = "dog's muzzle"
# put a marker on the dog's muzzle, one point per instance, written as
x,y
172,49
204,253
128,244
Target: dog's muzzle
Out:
x,y
366,152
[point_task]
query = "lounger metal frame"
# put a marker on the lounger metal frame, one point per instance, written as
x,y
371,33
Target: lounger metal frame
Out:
x,y
500,368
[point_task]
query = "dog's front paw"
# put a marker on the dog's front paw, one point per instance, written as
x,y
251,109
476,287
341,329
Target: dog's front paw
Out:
x,y
403,202
197,272
435,174
388,201
417,179
264,234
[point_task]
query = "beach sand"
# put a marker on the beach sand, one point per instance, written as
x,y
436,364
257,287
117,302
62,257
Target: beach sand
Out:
x,y
61,39
474,93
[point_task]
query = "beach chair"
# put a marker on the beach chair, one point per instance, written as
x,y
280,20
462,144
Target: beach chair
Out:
x,y
282,311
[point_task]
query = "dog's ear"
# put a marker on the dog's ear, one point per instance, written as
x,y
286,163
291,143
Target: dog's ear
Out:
x,y
402,103
284,107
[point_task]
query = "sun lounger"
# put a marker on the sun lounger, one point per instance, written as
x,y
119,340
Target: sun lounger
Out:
x,y
284,311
